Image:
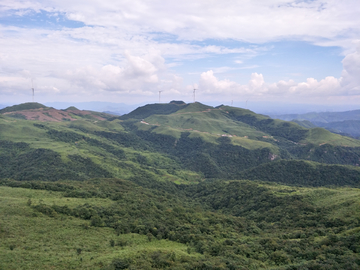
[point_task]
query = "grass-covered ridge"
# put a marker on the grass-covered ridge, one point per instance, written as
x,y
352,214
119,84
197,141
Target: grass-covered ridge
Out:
x,y
289,130
209,123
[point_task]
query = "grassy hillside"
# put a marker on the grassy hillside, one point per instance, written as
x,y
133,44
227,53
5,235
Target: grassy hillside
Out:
x,y
208,125
33,240
195,107
322,136
248,130
304,123
289,130
212,122
79,150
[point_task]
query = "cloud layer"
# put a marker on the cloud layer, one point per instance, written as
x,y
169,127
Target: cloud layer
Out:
x,y
104,49
312,89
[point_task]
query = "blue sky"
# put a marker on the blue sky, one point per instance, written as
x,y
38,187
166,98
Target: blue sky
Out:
x,y
273,52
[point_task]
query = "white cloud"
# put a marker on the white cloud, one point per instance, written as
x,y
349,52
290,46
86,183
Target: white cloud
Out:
x,y
257,86
209,84
347,86
256,82
351,73
137,74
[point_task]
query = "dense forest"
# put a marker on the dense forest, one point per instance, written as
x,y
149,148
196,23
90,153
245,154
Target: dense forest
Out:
x,y
231,225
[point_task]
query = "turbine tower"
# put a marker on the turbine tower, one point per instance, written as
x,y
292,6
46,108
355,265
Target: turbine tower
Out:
x,y
32,89
159,95
194,94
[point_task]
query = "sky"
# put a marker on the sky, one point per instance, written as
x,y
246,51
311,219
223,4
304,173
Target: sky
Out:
x,y
273,53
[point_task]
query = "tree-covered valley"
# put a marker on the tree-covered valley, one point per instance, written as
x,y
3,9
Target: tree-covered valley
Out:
x,y
175,186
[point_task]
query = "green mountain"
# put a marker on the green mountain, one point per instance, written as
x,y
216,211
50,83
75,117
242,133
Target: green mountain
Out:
x,y
177,141
163,188
221,142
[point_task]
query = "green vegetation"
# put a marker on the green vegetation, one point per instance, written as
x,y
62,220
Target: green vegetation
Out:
x,y
299,172
211,122
195,107
112,223
323,136
304,123
32,240
159,189
176,141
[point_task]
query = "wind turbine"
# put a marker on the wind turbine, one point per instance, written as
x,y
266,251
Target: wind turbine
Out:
x,y
159,95
32,89
194,94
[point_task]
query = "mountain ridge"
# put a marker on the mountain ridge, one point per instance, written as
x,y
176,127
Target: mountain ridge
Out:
x,y
199,140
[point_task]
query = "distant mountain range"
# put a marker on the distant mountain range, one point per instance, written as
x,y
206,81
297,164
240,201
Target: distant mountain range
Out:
x,y
345,123
321,117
